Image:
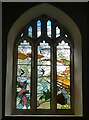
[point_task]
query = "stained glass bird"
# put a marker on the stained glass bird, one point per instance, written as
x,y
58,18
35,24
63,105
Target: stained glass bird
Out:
x,y
22,72
43,71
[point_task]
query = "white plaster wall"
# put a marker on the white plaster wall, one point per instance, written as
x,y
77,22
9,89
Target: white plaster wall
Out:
x,y
68,23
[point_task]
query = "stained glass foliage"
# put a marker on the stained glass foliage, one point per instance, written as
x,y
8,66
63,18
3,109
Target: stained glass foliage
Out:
x,y
23,76
49,28
63,75
57,31
38,28
30,31
43,76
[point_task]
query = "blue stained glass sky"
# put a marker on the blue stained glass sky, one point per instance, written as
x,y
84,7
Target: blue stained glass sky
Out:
x,y
38,23
48,23
30,28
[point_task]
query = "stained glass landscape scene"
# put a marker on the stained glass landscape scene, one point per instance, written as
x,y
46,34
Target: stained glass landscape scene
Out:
x,y
23,76
63,76
43,76
23,85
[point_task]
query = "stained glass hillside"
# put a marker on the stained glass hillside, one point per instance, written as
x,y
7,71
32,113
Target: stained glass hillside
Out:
x,y
43,76
63,75
23,76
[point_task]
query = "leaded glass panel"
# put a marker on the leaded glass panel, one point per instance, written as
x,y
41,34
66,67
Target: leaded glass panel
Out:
x,y
43,76
23,76
63,75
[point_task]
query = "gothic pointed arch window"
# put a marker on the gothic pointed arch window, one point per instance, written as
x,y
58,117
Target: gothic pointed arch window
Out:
x,y
43,75
43,68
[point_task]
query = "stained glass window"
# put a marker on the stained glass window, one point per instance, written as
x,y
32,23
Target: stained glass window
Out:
x,y
43,76
30,31
63,75
49,28
23,76
57,31
38,28
43,68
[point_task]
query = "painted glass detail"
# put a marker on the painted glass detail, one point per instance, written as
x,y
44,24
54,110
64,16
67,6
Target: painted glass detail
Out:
x,y
23,76
30,31
43,76
49,28
57,32
38,28
63,76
